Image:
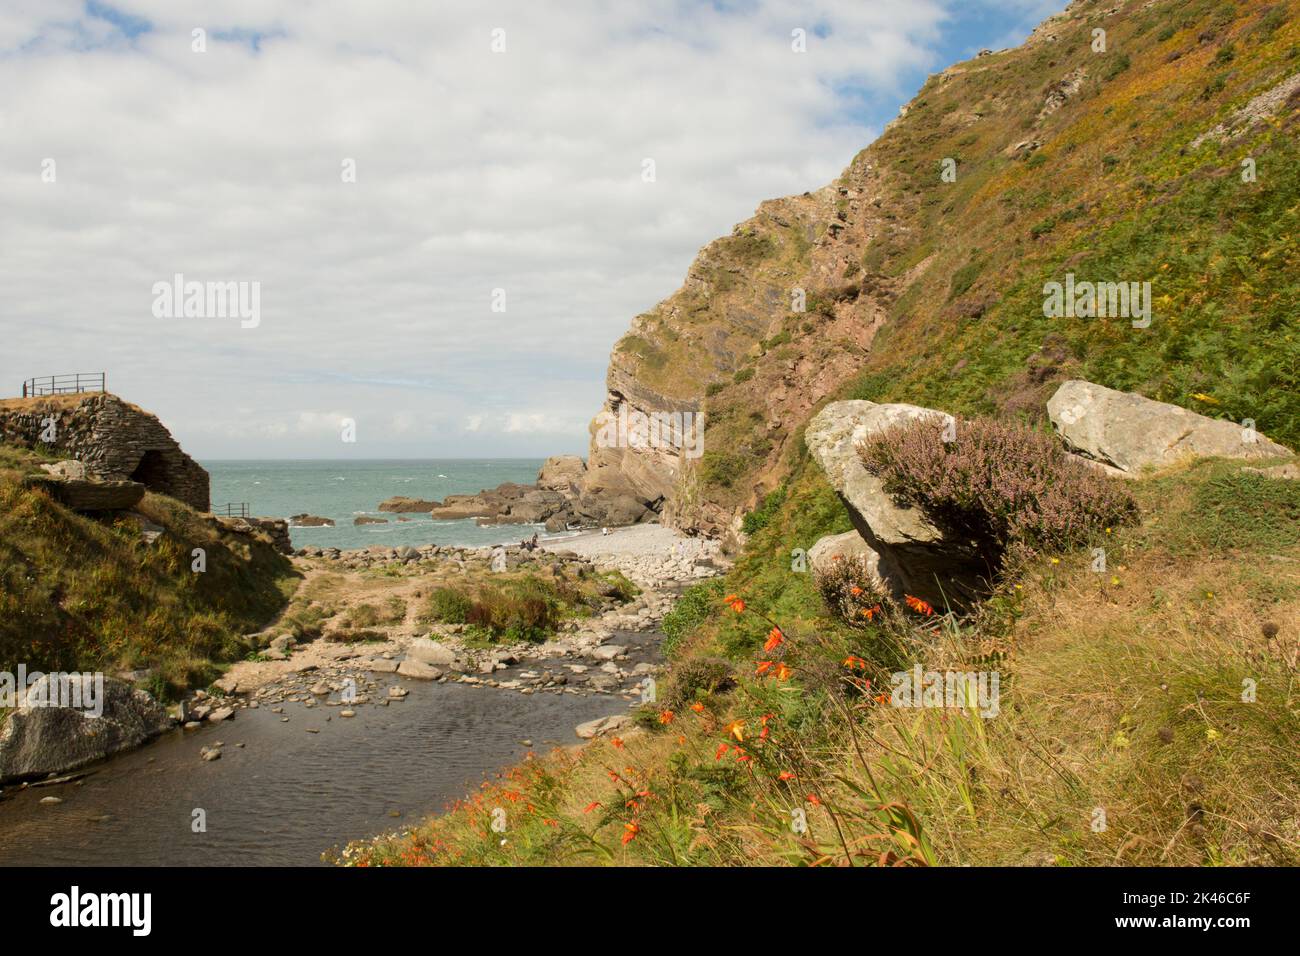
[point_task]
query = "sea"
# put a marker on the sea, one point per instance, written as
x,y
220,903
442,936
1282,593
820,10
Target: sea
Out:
x,y
346,490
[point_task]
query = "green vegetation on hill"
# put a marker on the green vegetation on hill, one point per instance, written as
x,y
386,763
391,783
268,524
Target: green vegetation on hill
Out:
x,y
79,593
1106,186
1146,715
1148,710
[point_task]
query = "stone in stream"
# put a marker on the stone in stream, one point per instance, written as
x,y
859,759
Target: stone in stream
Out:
x,y
419,670
39,739
431,652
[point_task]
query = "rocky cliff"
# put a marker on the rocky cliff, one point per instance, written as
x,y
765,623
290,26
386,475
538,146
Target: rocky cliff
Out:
x,y
1110,146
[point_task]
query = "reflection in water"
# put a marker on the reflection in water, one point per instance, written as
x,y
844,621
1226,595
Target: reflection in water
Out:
x,y
287,794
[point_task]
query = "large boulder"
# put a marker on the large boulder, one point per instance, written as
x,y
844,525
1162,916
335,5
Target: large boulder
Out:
x,y
41,738
915,557
1132,433
88,494
563,473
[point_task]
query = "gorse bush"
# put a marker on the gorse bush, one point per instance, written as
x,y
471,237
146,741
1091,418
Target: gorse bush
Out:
x,y
1008,489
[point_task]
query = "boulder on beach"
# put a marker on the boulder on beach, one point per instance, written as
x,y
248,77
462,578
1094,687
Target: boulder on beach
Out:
x,y
40,739
1132,433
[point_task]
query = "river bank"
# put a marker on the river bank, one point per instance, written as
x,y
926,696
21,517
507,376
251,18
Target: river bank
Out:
x,y
400,722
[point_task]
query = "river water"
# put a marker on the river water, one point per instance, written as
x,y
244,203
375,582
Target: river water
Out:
x,y
288,794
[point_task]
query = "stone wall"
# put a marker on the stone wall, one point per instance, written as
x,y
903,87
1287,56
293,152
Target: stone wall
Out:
x,y
114,439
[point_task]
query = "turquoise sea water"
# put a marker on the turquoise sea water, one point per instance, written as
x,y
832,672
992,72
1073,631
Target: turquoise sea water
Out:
x,y
343,490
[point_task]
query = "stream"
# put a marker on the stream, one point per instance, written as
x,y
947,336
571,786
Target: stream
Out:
x,y
287,794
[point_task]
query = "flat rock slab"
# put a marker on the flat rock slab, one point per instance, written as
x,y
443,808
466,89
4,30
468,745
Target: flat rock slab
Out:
x,y
85,494
419,670
1133,433
602,725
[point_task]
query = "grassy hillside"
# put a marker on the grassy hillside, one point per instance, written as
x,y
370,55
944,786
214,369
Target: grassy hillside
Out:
x,y
1149,712
1066,160
1121,692
86,594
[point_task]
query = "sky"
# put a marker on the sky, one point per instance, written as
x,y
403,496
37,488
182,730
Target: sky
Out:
x,y
444,210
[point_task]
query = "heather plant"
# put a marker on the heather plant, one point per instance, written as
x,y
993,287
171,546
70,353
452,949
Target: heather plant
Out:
x,y
1010,490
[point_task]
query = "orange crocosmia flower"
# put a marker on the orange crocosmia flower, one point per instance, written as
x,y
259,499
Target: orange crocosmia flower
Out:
x,y
591,806
855,590
736,729
617,742
764,666
697,707
666,717
774,639
812,798
630,830
917,605
785,775
782,671
734,602
722,751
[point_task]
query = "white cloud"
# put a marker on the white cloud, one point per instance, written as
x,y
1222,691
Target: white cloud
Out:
x,y
474,171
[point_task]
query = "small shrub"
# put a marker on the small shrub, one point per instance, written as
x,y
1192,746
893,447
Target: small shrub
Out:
x,y
689,681
758,518
851,591
692,609
963,279
744,375
449,605
1006,488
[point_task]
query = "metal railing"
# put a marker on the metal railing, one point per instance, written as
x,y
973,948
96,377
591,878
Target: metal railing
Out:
x,y
65,384
232,510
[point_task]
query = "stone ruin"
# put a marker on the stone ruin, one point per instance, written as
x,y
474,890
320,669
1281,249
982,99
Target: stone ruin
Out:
x,y
113,439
